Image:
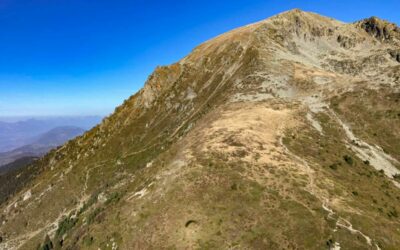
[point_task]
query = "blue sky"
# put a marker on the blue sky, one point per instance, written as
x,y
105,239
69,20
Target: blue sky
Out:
x,y
84,57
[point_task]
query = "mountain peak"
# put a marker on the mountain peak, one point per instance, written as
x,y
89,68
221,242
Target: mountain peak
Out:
x,y
294,11
301,14
302,21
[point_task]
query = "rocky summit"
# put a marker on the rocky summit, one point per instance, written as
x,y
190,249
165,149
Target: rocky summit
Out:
x,y
283,134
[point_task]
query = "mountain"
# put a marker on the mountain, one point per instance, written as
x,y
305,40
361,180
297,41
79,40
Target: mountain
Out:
x,y
283,134
41,144
17,134
15,174
17,164
58,136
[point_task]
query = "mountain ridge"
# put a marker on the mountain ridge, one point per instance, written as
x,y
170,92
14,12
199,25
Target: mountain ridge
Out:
x,y
294,116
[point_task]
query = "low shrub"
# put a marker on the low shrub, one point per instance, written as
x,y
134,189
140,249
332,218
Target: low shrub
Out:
x,y
65,225
92,216
348,159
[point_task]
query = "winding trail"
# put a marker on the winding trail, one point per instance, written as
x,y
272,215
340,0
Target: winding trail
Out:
x,y
343,223
366,152
312,189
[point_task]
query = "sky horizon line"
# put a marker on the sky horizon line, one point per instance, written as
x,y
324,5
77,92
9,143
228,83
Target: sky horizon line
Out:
x,y
13,119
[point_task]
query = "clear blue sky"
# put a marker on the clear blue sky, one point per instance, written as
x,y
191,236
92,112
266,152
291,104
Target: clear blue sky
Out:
x,y
84,57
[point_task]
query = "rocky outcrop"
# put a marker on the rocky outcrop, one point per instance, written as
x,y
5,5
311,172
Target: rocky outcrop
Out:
x,y
395,54
346,42
380,29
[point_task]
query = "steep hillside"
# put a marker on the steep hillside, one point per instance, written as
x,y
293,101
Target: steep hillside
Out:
x,y
278,135
15,175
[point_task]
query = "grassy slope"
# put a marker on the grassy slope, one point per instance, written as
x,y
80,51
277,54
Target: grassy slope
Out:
x,y
370,201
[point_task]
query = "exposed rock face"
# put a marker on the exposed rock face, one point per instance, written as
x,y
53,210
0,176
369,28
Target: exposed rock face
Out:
x,y
380,29
278,135
395,55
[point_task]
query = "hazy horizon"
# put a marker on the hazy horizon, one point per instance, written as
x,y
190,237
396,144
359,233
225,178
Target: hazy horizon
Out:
x,y
15,133
13,119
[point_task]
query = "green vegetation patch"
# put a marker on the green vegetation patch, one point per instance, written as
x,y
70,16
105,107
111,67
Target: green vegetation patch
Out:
x,y
65,225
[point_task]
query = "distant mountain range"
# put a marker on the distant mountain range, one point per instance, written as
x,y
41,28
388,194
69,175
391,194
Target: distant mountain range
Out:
x,y
17,134
41,144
